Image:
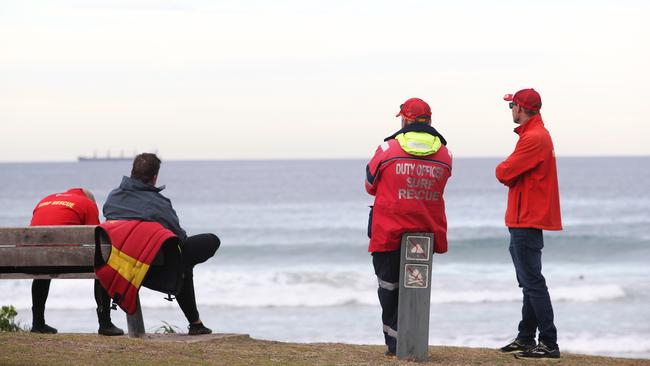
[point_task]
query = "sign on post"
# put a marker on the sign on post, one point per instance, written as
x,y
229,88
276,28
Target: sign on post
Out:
x,y
414,296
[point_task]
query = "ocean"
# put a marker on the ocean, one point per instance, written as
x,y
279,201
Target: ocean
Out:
x,y
293,265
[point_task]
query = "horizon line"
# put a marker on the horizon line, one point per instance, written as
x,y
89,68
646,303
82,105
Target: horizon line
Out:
x,y
303,159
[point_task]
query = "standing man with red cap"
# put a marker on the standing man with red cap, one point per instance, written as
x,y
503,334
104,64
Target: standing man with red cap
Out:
x,y
533,205
407,175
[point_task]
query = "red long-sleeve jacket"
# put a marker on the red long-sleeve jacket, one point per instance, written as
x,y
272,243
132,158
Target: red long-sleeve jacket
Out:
x,y
530,173
407,176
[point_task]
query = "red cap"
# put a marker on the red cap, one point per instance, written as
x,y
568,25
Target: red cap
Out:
x,y
527,98
414,108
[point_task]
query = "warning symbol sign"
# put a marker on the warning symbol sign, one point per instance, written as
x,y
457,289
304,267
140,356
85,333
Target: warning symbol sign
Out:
x,y
418,248
416,275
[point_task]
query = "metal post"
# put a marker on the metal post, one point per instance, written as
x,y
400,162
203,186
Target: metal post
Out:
x,y
414,296
135,322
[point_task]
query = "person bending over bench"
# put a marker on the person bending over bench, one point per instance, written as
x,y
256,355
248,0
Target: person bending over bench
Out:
x,y
74,207
138,198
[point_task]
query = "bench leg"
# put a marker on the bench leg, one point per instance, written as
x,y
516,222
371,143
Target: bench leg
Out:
x,y
135,322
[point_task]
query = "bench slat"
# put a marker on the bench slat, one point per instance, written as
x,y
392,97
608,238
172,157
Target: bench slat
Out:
x,y
39,256
72,234
30,276
49,246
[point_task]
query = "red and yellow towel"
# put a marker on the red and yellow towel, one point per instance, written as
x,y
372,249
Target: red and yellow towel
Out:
x,y
134,245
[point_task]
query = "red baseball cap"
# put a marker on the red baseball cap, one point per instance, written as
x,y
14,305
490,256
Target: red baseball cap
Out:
x,y
527,98
414,108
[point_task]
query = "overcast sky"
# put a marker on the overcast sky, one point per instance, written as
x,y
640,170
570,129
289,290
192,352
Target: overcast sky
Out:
x,y
315,79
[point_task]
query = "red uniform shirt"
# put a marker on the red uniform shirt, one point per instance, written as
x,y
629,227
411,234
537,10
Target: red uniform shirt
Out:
x,y
531,175
67,208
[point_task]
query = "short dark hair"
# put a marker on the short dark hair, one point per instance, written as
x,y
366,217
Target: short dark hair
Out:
x,y
145,167
530,113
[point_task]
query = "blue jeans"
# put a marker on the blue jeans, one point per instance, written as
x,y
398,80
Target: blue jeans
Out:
x,y
537,312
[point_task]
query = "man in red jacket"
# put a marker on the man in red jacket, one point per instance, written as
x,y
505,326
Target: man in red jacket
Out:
x,y
533,205
407,175
73,207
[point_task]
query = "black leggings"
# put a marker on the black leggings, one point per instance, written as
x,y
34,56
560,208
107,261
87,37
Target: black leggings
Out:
x,y
41,288
195,249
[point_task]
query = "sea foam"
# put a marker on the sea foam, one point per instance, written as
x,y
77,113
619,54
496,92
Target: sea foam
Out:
x,y
299,288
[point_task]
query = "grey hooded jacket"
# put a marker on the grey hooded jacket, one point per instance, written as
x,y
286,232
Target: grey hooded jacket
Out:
x,y
135,200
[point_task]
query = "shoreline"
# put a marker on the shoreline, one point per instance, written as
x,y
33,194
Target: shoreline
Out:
x,y
25,348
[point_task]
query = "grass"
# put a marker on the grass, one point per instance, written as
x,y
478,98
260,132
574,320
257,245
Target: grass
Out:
x,y
89,349
166,328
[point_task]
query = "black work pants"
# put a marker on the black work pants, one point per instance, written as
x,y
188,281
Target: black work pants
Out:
x,y
387,270
195,249
41,289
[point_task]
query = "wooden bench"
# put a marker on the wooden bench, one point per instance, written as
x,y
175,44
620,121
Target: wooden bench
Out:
x,y
56,252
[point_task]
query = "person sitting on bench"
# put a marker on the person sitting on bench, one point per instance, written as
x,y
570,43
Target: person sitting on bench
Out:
x,y
138,198
74,207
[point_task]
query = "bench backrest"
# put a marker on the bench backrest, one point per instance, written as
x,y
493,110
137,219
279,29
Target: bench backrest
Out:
x,y
49,251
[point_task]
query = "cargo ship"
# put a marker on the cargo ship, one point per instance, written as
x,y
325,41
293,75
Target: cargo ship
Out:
x,y
106,157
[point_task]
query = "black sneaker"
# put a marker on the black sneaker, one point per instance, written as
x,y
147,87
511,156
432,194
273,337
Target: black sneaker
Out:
x,y
389,354
517,346
540,352
46,329
110,330
198,329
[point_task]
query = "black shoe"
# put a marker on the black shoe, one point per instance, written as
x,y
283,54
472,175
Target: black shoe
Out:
x,y
389,354
110,330
198,329
517,346
540,352
46,329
